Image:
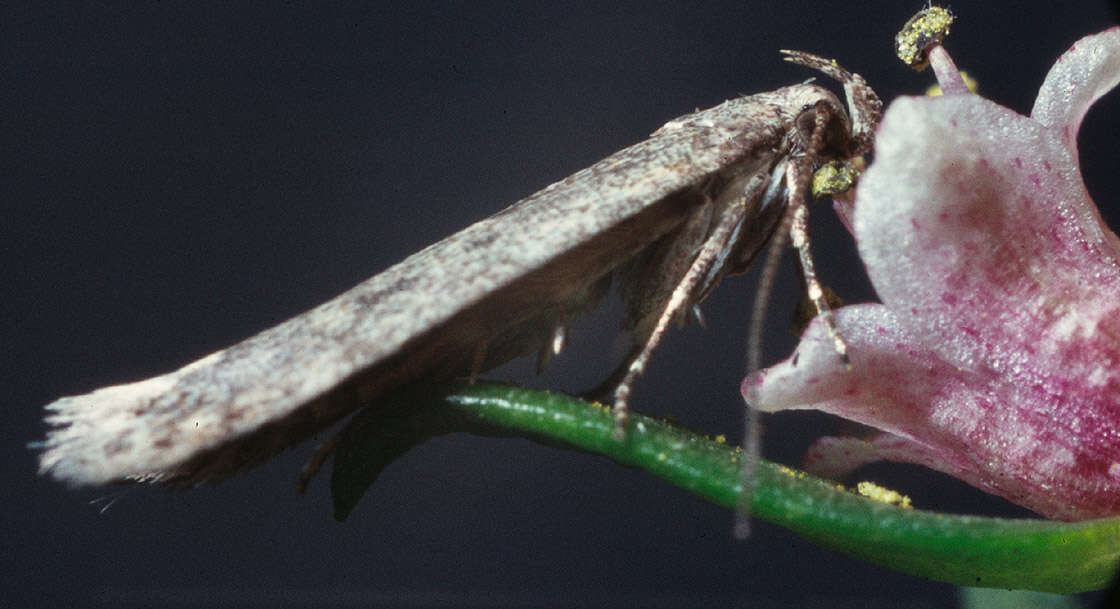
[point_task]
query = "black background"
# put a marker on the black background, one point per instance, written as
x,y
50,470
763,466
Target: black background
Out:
x,y
177,178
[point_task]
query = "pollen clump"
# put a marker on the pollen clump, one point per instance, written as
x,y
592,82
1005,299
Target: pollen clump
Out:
x,y
883,495
929,27
789,471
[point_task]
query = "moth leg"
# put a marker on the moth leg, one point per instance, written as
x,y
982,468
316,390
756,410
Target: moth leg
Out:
x,y
552,347
698,315
477,360
315,463
682,297
799,234
604,390
795,227
799,175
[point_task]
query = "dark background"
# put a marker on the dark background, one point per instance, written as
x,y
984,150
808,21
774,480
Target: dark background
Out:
x,y
177,178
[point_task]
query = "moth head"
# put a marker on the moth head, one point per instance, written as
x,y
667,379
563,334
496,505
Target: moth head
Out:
x,y
864,106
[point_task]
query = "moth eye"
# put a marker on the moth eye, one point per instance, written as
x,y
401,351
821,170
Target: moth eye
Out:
x,y
836,136
806,119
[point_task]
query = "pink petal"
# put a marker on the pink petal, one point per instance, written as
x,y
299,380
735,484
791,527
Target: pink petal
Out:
x,y
996,354
963,423
977,231
1088,70
835,458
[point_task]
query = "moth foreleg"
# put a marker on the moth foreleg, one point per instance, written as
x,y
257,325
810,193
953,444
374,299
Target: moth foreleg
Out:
x,y
799,235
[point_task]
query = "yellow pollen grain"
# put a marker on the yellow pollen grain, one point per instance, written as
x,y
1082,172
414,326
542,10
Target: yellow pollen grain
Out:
x,y
883,495
928,27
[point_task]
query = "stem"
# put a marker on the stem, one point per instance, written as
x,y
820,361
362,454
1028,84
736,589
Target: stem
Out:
x,y
977,551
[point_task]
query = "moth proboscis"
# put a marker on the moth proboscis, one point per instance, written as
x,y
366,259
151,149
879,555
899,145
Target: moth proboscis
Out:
x,y
665,218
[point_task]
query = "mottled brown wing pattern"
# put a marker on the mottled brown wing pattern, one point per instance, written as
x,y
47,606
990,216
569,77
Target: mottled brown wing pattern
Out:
x,y
498,286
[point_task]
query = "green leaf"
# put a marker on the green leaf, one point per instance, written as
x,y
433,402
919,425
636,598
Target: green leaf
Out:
x,y
975,551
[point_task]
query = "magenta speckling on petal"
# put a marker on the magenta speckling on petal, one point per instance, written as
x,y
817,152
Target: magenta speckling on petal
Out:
x,y
995,354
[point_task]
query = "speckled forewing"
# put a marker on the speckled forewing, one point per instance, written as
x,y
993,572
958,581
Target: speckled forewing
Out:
x,y
608,212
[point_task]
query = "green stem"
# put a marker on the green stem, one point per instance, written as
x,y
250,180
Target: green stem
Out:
x,y
965,550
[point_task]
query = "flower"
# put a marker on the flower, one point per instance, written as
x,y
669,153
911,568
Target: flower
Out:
x,y
995,354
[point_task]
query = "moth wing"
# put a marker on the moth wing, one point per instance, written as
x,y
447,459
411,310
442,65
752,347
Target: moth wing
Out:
x,y
497,286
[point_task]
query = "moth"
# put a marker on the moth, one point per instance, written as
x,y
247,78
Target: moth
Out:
x,y
665,218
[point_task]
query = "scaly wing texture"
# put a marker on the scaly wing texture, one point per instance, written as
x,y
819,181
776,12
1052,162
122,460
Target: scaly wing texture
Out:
x,y
501,281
